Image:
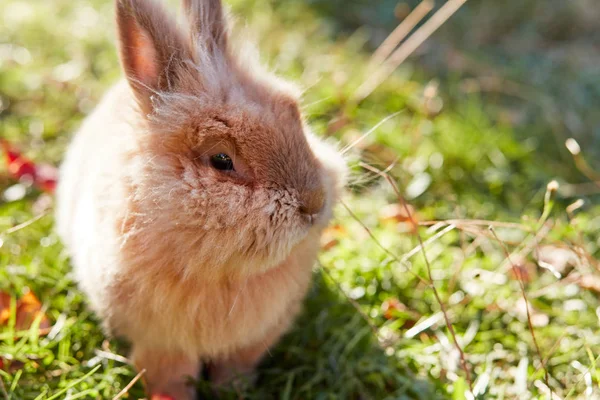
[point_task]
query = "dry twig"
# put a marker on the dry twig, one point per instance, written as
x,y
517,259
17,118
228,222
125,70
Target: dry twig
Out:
x,y
130,385
431,281
517,273
398,34
406,49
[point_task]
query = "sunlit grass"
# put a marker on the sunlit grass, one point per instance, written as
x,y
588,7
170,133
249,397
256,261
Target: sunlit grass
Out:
x,y
372,326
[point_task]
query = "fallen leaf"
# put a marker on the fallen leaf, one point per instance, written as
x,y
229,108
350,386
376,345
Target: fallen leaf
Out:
x,y
18,166
522,270
4,307
46,177
12,366
330,236
390,306
399,213
28,309
43,176
161,397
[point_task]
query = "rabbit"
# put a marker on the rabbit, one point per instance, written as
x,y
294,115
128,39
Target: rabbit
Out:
x,y
192,199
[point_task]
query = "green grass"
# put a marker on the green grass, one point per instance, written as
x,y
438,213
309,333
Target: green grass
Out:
x,y
372,326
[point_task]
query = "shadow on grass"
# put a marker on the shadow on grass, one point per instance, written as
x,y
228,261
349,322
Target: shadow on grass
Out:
x,y
331,352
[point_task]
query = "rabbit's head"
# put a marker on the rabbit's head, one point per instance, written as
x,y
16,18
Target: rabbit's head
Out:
x,y
226,170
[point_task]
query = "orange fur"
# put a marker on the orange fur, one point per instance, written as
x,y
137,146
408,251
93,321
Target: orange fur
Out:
x,y
191,264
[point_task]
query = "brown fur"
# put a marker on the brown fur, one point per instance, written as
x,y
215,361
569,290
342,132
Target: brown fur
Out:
x,y
191,264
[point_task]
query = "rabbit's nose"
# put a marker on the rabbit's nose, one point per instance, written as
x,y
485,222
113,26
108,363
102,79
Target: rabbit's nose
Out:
x,y
311,203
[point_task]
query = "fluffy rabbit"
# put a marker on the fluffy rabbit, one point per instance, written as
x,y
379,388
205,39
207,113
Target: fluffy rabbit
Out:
x,y
192,200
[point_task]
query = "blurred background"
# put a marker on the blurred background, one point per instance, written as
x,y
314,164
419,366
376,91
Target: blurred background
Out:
x,y
495,295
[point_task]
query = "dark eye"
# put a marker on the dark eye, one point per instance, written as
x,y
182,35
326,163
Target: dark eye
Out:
x,y
222,162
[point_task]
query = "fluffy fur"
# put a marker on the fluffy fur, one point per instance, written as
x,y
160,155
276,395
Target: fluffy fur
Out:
x,y
193,265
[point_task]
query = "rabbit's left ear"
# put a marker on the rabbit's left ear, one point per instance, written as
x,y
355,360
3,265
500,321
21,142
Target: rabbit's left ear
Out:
x,y
152,48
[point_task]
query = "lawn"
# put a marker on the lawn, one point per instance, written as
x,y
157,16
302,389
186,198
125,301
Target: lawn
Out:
x,y
463,260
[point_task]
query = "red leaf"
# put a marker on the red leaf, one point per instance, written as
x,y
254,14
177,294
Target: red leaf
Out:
x,y
161,397
46,177
21,168
18,166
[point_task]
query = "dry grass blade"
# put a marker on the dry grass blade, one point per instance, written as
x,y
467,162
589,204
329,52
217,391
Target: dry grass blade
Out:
x,y
398,34
24,224
367,133
436,294
580,162
382,247
354,303
406,49
459,223
524,294
130,385
112,356
527,245
552,350
441,304
432,239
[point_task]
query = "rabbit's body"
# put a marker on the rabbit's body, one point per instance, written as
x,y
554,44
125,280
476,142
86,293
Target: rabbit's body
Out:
x,y
118,267
193,255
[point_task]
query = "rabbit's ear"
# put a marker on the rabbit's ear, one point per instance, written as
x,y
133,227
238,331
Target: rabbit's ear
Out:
x,y
152,48
207,24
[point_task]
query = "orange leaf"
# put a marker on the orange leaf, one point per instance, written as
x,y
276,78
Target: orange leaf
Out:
x,y
391,306
28,309
330,236
4,308
398,213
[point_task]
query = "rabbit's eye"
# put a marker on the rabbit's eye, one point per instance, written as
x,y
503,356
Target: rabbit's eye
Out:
x,y
222,162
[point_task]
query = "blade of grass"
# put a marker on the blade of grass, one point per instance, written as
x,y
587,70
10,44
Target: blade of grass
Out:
x,y
15,381
364,135
24,224
3,388
74,383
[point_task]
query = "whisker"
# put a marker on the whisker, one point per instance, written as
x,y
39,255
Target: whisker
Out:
x,y
236,298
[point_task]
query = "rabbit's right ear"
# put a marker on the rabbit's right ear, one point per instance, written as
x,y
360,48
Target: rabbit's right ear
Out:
x,y
207,24
152,48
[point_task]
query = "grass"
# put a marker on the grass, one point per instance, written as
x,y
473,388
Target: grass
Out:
x,y
474,146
